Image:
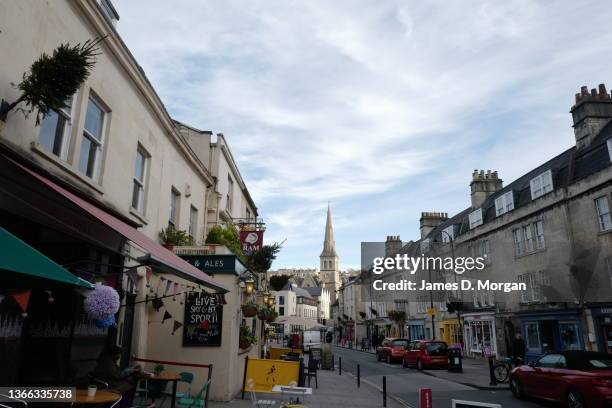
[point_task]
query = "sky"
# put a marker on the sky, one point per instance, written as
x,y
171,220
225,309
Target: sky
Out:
x,y
383,108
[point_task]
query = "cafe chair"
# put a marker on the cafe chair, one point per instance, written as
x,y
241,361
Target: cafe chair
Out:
x,y
186,378
313,365
198,401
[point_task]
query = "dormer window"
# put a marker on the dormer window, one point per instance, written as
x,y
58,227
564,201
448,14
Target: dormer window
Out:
x,y
475,218
541,185
504,203
448,234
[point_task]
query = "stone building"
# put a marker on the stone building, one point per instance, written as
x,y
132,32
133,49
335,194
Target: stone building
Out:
x,y
329,260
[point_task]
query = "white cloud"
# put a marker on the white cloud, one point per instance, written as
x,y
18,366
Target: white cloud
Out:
x,y
350,101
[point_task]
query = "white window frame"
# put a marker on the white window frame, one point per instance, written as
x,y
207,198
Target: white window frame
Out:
x,y
609,142
504,203
66,131
193,222
604,216
229,200
448,234
140,184
475,218
528,238
541,184
92,139
517,237
540,242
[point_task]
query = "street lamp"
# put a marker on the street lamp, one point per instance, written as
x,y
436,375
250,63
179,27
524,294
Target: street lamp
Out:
x,y
249,286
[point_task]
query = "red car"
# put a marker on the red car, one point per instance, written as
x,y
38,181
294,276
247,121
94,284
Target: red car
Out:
x,y
577,378
391,349
426,353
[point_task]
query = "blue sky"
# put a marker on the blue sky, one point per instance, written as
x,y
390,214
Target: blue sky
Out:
x,y
382,107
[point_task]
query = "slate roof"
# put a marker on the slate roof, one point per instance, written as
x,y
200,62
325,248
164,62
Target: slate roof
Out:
x,y
314,291
567,168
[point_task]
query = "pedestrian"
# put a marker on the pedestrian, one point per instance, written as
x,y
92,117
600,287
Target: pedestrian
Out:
x,y
123,382
518,349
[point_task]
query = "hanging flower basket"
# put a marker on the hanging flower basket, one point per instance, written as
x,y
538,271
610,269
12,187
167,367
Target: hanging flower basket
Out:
x,y
101,305
271,317
264,313
244,343
249,310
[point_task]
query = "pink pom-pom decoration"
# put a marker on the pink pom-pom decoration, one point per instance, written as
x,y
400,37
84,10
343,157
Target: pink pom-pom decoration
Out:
x,y
102,302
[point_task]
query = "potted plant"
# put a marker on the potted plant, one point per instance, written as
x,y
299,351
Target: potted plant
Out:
x,y
264,312
246,338
271,316
249,309
158,369
91,390
52,80
172,237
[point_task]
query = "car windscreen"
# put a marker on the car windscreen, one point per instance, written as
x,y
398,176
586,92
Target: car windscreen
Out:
x,y
400,343
436,349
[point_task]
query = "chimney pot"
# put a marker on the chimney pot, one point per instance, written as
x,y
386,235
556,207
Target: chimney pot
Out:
x,y
602,90
584,91
594,92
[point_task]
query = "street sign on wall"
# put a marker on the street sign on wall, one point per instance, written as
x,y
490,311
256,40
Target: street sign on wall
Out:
x,y
212,263
203,321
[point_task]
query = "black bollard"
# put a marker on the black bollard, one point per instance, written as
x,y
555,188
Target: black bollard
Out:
x,y
340,365
384,390
492,381
358,377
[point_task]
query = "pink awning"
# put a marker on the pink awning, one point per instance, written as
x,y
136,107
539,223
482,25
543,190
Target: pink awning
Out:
x,y
156,254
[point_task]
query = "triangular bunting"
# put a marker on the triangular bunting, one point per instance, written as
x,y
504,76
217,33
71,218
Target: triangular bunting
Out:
x,y
167,316
23,299
177,325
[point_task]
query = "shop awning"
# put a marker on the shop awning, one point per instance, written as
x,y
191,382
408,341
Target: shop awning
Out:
x,y
162,256
17,256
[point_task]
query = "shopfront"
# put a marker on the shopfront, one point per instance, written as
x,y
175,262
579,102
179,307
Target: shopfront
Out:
x,y
415,329
602,319
479,332
548,331
449,331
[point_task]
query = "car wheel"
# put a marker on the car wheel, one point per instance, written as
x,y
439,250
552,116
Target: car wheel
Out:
x,y
574,399
516,387
419,365
389,361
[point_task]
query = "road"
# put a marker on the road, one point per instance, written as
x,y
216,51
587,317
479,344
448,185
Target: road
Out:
x,y
405,383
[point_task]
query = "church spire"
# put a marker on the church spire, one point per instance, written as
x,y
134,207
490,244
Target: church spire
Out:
x,y
329,245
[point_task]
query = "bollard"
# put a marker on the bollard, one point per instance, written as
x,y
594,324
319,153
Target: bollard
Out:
x,y
492,381
384,390
340,365
358,377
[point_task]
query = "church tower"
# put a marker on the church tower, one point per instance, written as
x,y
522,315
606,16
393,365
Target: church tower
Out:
x,y
330,265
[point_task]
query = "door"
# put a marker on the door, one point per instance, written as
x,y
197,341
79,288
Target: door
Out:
x,y
542,382
411,352
127,331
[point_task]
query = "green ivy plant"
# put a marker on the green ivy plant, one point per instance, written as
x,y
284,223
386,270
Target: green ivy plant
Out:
x,y
53,79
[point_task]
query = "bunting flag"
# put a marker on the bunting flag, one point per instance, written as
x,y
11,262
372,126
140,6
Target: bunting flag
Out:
x,y
148,274
159,282
167,316
177,325
157,304
23,299
168,285
174,290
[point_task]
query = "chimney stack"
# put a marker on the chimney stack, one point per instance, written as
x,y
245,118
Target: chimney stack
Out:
x,y
430,220
483,185
392,245
591,112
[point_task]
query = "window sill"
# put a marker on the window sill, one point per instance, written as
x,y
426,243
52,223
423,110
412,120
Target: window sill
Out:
x,y
537,251
138,215
35,146
606,232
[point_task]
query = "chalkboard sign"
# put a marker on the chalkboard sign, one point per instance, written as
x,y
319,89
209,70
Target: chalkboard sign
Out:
x,y
203,320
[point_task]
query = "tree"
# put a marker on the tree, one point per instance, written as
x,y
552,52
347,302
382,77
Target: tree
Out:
x,y
260,261
53,79
278,282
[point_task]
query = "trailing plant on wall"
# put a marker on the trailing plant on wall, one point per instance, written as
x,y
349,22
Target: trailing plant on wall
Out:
x,y
246,337
225,235
53,79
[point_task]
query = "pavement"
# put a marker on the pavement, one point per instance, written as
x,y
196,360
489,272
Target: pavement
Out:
x,y
475,373
334,391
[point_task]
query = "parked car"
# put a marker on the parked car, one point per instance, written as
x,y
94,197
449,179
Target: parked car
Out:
x,y
391,349
426,353
577,378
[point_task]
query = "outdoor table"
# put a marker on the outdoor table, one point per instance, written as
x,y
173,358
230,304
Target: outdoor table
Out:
x,y
165,376
291,390
101,397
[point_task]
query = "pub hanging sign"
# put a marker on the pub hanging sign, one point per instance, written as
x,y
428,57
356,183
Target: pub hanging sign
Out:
x,y
203,320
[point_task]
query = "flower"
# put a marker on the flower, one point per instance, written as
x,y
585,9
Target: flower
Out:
x,y
102,303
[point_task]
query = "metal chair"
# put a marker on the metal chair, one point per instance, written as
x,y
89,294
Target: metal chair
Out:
x,y
313,365
254,401
198,401
186,377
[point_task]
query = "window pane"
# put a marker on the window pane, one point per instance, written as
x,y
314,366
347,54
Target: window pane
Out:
x,y
86,156
139,166
93,119
136,197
